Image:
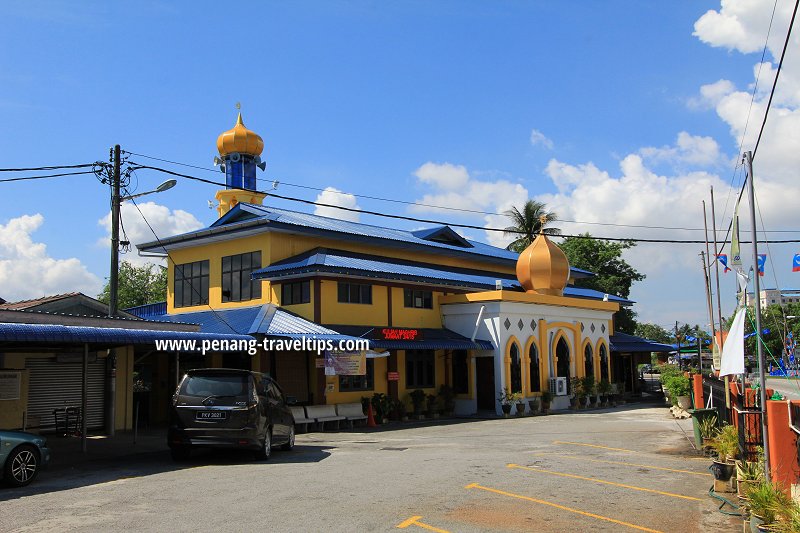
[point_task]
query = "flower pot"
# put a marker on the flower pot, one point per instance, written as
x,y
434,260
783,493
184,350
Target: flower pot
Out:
x,y
520,408
722,471
573,402
755,523
582,401
506,407
685,402
545,408
533,405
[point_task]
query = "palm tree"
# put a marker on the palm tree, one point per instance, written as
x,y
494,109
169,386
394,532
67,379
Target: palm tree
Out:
x,y
528,223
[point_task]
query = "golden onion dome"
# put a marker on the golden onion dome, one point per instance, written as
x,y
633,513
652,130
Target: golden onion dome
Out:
x,y
240,139
543,267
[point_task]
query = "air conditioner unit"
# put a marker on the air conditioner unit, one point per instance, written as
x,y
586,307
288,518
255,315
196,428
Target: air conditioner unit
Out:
x,y
558,386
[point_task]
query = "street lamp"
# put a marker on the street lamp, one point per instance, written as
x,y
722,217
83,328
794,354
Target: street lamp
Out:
x,y
161,188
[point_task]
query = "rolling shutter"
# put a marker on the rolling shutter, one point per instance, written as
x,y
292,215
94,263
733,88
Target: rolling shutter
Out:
x,y
53,385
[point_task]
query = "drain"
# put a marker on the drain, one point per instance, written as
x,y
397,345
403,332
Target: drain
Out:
x,y
394,449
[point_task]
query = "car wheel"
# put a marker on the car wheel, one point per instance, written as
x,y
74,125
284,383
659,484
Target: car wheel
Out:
x,y
180,453
266,448
22,465
289,443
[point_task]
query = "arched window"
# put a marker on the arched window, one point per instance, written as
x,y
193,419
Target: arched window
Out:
x,y
603,363
516,369
588,363
536,381
562,367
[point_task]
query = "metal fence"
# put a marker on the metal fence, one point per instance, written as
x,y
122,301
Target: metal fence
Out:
x,y
717,389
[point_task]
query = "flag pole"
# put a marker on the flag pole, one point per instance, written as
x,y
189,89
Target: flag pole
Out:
x,y
748,158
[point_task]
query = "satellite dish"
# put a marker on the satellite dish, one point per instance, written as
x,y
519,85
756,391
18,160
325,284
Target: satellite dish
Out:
x,y
235,157
262,165
217,161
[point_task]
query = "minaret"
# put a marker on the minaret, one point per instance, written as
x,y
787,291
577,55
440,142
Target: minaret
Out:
x,y
543,267
240,152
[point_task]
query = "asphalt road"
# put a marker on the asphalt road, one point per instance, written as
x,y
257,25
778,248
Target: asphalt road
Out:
x,y
789,387
627,468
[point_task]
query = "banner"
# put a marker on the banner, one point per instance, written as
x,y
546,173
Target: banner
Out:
x,y
796,263
723,259
733,351
345,363
736,252
762,261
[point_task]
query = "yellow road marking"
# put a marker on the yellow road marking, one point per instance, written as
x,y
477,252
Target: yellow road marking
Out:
x,y
414,521
583,458
620,449
512,465
563,508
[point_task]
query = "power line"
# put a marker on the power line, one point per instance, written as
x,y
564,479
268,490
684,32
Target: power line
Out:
x,y
25,178
58,167
777,75
432,206
429,221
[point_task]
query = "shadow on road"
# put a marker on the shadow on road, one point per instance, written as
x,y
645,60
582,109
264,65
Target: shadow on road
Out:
x,y
147,464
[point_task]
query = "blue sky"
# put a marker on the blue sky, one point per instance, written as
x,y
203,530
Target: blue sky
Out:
x,y
476,104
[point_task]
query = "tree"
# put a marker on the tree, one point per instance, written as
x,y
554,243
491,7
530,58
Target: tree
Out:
x,y
526,224
613,275
138,285
653,332
772,319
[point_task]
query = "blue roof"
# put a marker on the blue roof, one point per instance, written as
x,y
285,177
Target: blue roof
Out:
x,y
370,266
14,332
268,320
622,342
441,238
432,339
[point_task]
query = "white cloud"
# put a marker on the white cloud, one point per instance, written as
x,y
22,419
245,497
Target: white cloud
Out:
x,y
443,176
27,271
164,222
688,149
539,139
742,25
334,196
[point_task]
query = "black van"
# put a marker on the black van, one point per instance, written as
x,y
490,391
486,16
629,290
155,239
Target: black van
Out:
x,y
228,408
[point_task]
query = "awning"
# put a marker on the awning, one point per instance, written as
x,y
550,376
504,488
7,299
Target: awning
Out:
x,y
429,339
55,333
622,342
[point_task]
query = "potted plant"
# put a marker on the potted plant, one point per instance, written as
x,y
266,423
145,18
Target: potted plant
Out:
x,y
726,444
588,388
417,400
547,398
520,403
748,473
533,405
448,397
708,431
433,409
382,405
506,399
767,503
577,393
604,388
679,387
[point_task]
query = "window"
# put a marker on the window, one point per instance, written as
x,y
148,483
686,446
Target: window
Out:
x,y
296,293
603,363
236,283
191,284
418,299
536,380
588,365
516,369
355,383
460,372
420,369
355,293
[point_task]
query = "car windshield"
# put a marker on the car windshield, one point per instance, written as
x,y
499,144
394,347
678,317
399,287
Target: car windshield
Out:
x,y
215,386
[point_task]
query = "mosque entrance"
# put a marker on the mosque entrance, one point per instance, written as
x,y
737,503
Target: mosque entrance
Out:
x,y
484,381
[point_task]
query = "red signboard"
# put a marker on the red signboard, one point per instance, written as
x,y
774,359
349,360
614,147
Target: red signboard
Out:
x,y
393,376
399,334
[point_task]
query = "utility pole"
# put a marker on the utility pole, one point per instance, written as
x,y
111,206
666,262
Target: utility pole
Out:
x,y
678,342
710,307
716,263
113,279
748,159
113,293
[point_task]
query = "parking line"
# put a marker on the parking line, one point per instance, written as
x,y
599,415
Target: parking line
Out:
x,y
619,449
583,458
541,470
414,521
563,508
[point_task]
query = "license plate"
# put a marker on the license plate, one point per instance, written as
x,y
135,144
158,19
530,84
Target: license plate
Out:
x,y
211,415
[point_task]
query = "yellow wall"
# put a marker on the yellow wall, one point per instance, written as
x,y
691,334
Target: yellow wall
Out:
x,y
11,410
379,382
347,314
412,317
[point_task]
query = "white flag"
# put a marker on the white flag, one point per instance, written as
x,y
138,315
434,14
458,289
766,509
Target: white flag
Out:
x,y
733,349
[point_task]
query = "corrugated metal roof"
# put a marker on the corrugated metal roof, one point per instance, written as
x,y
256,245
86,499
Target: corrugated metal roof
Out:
x,y
622,342
49,333
432,339
336,261
244,213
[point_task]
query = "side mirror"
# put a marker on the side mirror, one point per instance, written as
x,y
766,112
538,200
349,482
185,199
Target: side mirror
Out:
x,y
291,400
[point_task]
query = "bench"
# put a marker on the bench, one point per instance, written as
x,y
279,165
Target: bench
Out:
x,y
322,414
299,414
352,412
